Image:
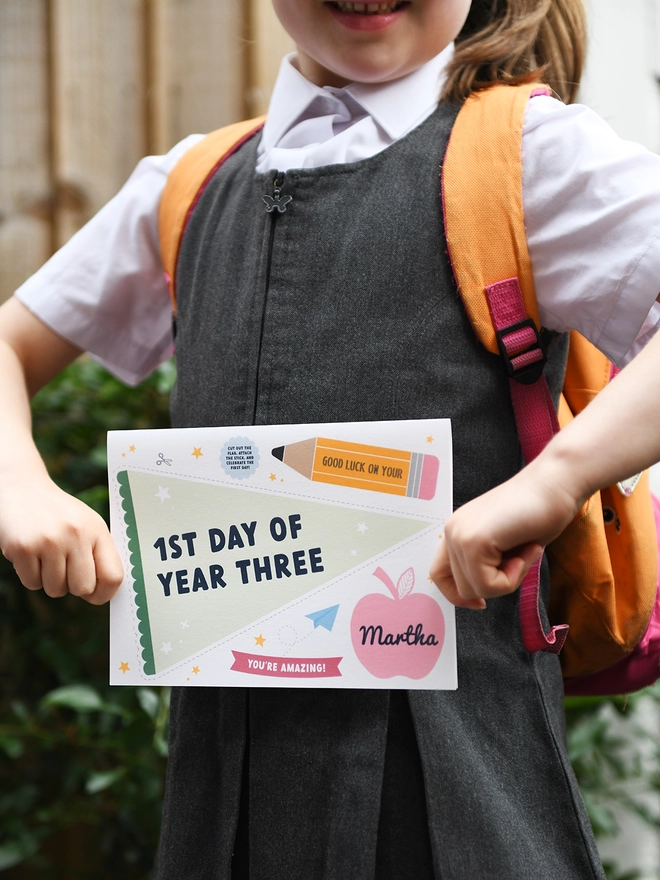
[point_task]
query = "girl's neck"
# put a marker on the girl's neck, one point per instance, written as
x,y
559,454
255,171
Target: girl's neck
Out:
x,y
316,73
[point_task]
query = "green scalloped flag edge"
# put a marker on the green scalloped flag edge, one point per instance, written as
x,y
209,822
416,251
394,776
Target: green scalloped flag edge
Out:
x,y
135,558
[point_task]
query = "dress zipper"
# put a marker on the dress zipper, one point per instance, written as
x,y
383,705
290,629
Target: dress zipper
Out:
x,y
275,204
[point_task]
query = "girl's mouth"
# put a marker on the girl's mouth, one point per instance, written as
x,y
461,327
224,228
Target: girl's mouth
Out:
x,y
367,8
366,16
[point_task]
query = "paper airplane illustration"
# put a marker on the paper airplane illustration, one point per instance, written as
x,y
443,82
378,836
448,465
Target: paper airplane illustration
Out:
x,y
325,617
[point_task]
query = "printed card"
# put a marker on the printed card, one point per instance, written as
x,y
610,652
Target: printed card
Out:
x,y
282,556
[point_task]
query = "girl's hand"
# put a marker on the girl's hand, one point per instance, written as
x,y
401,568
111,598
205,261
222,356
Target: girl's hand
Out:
x,y
55,542
490,543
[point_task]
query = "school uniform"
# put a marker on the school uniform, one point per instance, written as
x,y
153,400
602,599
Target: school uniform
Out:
x,y
344,308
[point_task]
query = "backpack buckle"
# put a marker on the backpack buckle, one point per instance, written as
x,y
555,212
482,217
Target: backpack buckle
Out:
x,y
522,351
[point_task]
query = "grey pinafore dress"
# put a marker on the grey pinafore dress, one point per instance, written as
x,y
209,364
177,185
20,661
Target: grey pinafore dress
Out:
x,y
344,308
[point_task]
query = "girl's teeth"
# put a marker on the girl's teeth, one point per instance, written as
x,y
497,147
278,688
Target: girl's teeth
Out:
x,y
368,8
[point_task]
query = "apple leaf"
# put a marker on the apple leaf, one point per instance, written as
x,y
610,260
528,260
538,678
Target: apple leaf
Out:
x,y
406,582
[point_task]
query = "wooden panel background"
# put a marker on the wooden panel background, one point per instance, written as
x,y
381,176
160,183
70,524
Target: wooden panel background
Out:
x,y
88,87
25,145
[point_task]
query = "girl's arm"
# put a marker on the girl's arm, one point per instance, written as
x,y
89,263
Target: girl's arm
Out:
x,y
490,543
54,541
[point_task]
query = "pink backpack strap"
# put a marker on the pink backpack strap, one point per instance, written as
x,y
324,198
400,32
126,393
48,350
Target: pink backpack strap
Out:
x,y
536,420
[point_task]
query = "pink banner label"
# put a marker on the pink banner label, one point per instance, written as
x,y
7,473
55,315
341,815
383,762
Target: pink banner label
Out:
x,y
287,667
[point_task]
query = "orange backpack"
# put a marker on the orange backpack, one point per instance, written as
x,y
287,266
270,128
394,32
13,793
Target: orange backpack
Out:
x,y
604,567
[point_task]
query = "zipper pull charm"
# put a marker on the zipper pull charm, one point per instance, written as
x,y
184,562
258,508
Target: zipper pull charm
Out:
x,y
276,202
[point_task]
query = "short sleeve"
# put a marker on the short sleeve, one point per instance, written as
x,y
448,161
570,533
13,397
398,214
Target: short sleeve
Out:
x,y
104,291
592,214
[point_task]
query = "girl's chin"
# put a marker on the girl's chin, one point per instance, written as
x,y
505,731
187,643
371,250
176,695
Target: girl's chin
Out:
x,y
347,73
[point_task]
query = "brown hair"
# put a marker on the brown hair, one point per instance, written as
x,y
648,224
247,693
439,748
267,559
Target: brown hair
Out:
x,y
515,41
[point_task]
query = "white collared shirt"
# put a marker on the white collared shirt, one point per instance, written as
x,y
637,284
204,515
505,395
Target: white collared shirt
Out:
x,y
592,211
329,126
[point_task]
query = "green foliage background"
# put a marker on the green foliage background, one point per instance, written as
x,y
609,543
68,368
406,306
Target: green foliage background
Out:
x,y
82,763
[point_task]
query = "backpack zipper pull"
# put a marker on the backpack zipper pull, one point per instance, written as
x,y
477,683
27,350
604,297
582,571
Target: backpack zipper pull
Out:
x,y
276,202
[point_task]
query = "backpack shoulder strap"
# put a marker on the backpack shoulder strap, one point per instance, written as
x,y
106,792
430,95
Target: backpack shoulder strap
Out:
x,y
482,190
186,182
483,205
485,232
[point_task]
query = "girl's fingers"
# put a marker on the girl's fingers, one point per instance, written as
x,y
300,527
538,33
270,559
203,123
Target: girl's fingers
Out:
x,y
94,572
516,566
57,543
467,579
54,575
28,570
81,572
82,561
512,571
445,573
109,571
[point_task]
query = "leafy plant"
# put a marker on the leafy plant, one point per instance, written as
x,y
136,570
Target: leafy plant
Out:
x,y
616,758
81,763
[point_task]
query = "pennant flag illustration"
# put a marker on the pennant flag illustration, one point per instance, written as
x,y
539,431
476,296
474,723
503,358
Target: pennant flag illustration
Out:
x,y
325,618
208,560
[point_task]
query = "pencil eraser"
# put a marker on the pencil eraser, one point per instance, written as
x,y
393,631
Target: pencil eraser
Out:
x,y
429,479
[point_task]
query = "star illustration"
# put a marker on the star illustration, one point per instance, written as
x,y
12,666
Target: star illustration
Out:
x,y
124,667
429,439
184,624
167,647
197,452
353,552
162,493
123,455
362,528
196,670
131,448
272,477
259,640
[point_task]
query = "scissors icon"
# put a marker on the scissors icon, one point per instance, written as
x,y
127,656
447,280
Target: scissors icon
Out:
x,y
163,460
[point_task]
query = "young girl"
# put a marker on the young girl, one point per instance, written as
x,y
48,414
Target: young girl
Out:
x,y
344,308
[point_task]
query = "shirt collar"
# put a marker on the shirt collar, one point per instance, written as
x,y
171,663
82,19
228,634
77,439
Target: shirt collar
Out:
x,y
394,106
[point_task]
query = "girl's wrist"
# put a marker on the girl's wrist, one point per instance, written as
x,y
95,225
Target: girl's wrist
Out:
x,y
25,475
566,470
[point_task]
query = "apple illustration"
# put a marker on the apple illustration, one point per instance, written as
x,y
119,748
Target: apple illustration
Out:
x,y
398,636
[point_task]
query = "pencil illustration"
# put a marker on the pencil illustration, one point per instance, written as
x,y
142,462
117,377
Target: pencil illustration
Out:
x,y
411,474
